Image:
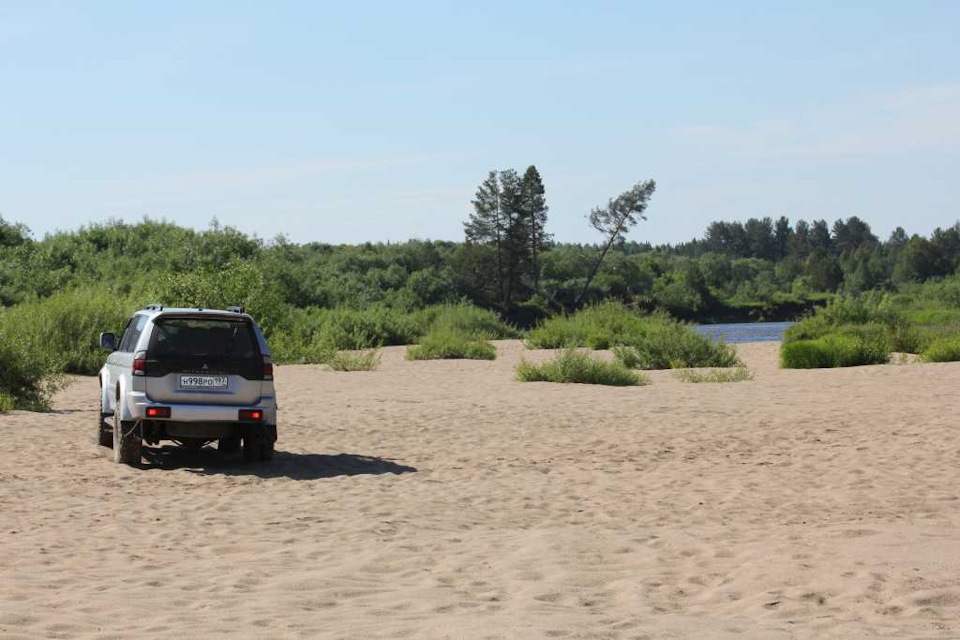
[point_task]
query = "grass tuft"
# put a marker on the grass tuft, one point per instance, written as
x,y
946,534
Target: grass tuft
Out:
x,y
573,366
367,360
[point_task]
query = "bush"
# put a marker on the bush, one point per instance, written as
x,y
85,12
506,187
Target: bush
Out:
x,y
447,344
946,349
235,283
466,318
674,346
575,367
842,312
833,350
65,327
737,374
652,341
873,319
28,377
355,361
313,335
599,327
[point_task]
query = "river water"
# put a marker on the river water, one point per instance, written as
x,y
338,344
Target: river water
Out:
x,y
745,331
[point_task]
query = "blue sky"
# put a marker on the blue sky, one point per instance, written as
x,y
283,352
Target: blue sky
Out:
x,y
346,122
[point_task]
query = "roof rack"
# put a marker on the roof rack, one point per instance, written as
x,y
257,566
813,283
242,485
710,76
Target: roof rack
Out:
x,y
235,309
154,307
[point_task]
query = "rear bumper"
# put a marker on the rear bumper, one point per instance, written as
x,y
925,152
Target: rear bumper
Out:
x,y
165,430
202,413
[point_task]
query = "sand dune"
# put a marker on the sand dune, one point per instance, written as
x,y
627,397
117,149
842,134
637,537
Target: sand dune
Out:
x,y
445,500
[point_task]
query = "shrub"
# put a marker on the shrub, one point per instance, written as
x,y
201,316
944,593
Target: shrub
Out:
x,y
65,327
28,377
447,344
737,374
674,346
355,361
833,350
652,341
314,335
235,283
575,367
599,327
946,349
466,318
842,312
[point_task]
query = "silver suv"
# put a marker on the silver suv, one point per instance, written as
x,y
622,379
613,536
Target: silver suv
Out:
x,y
193,376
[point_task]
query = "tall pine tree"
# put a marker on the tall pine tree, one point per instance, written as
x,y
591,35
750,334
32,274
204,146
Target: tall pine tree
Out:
x,y
534,205
487,226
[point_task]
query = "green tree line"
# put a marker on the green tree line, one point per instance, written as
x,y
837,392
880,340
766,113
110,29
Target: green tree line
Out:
x,y
507,262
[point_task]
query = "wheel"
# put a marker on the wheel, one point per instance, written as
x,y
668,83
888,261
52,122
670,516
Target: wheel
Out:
x,y
127,443
266,451
104,433
257,447
230,444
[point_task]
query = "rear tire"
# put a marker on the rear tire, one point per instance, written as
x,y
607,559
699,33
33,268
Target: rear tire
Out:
x,y
230,444
257,448
104,433
127,443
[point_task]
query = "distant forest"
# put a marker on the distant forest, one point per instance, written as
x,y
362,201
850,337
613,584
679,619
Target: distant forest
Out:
x,y
763,268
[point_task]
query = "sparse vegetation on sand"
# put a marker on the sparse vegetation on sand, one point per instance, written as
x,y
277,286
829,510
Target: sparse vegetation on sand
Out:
x,y
450,344
736,374
639,341
573,366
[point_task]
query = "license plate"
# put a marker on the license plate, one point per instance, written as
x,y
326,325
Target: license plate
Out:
x,y
203,382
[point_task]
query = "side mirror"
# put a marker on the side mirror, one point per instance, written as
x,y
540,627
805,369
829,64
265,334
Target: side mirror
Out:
x,y
108,341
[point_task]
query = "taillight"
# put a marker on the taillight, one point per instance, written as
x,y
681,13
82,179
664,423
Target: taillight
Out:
x,y
268,371
158,412
140,363
251,415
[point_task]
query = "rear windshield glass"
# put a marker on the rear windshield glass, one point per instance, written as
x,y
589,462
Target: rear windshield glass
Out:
x,y
195,337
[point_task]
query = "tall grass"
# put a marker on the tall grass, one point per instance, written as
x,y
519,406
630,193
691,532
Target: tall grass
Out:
x,y
652,341
572,366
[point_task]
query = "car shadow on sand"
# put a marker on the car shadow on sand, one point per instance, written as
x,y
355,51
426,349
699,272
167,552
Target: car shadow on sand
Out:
x,y
285,464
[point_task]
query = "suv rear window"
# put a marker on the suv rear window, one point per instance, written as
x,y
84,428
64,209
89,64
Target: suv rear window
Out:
x,y
203,338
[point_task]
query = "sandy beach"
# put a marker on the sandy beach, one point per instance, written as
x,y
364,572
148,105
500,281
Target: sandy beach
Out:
x,y
446,500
